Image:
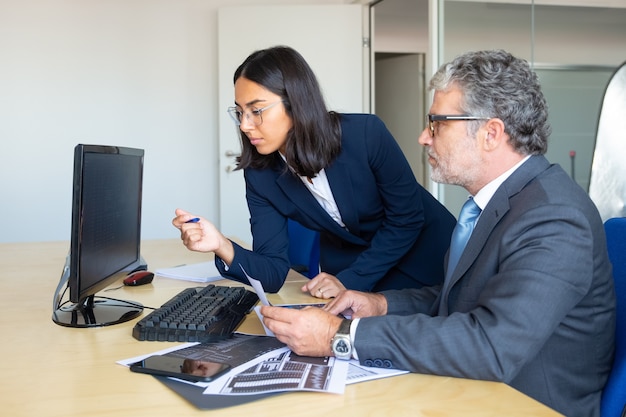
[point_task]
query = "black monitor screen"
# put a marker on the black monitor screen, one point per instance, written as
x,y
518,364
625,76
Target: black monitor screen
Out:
x,y
106,229
108,225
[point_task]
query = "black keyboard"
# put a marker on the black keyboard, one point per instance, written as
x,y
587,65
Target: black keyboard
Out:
x,y
202,314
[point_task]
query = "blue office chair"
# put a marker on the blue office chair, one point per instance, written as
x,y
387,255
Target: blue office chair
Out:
x,y
304,249
614,394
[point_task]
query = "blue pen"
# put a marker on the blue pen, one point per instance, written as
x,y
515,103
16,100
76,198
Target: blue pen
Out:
x,y
194,220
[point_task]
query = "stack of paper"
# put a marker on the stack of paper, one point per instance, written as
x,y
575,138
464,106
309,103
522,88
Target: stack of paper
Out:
x,y
198,272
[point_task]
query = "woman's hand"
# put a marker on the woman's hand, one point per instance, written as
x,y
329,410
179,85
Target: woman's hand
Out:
x,y
323,286
202,236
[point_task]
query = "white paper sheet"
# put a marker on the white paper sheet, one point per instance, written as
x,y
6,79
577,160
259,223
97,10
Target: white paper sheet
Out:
x,y
198,272
258,288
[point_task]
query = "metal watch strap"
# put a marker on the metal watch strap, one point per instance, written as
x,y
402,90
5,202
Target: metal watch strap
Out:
x,y
344,327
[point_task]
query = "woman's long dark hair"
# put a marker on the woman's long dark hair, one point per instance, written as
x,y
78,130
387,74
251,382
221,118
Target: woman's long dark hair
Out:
x,y
315,138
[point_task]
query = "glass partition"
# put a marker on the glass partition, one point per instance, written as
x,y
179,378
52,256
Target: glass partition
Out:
x,y
574,49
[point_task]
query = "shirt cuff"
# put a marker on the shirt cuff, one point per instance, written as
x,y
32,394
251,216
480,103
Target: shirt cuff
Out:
x,y
353,326
226,267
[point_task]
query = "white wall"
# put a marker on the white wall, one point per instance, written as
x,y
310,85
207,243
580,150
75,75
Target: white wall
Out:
x,y
138,73
143,73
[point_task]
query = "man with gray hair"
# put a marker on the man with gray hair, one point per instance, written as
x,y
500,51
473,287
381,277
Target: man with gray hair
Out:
x,y
528,296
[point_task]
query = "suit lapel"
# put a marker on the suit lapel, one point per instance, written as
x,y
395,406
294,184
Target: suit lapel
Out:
x,y
497,207
301,197
341,185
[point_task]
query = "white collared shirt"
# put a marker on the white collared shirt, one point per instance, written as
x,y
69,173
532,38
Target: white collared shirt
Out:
x,y
483,196
320,188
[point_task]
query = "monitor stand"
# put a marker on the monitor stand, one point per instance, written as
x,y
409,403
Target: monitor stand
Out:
x,y
96,312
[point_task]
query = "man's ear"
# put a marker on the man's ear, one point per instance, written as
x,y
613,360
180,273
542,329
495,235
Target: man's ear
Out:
x,y
494,134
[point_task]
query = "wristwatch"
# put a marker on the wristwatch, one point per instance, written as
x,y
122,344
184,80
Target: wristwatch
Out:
x,y
341,344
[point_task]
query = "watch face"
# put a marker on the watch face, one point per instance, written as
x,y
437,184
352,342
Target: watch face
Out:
x,y
342,347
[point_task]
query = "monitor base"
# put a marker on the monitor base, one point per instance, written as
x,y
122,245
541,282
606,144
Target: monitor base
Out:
x,y
97,312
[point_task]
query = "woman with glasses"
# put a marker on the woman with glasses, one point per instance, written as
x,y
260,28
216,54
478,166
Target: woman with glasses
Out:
x,y
343,175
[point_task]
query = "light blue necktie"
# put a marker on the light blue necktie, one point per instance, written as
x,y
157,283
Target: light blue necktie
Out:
x,y
462,232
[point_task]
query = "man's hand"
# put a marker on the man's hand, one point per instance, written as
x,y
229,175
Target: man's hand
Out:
x,y
357,304
307,332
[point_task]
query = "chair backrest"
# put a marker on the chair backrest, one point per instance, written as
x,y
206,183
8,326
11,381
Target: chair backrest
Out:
x,y
614,394
304,249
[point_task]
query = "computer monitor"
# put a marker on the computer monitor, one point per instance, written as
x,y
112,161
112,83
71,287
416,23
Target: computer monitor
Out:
x,y
105,236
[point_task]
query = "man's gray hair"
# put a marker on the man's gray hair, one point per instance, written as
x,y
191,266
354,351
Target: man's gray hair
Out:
x,y
495,84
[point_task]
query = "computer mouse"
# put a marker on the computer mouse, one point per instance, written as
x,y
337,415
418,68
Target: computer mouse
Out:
x,y
139,278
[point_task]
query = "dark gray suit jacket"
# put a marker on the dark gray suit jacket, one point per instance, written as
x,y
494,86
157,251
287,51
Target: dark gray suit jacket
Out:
x,y
531,302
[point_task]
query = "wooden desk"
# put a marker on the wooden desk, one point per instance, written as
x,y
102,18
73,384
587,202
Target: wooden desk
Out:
x,y
50,370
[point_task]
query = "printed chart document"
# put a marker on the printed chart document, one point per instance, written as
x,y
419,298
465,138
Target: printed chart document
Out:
x,y
197,272
261,364
280,371
359,373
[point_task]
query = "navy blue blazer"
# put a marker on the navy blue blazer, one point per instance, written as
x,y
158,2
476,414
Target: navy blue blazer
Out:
x,y
396,232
